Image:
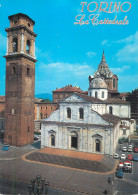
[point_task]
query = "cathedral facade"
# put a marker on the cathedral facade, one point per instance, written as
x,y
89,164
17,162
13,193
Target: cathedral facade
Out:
x,y
90,123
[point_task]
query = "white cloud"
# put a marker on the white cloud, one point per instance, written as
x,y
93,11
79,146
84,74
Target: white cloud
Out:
x,y
119,70
105,43
129,53
90,54
60,67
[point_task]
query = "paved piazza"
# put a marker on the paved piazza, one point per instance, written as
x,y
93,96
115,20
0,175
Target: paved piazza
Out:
x,y
13,167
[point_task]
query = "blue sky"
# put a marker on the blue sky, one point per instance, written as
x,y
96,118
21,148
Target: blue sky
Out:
x,y
69,53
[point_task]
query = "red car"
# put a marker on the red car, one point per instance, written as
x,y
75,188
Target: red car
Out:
x,y
136,149
129,157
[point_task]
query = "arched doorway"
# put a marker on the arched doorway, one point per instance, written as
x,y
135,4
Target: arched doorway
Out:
x,y
74,140
52,140
98,145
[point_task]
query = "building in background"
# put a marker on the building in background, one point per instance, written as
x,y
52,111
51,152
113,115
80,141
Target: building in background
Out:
x,y
66,91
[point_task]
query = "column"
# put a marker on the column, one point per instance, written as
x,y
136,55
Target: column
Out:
x,y
34,48
7,44
22,40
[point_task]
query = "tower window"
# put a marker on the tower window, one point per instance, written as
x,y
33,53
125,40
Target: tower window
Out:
x,y
15,44
28,24
46,108
28,46
114,83
28,71
13,70
81,113
110,110
96,94
15,21
102,94
68,113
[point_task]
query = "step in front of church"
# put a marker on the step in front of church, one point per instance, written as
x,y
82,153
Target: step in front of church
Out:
x,y
73,159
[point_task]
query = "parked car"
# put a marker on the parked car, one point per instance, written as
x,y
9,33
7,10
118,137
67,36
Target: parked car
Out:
x,y
136,149
128,163
6,145
121,164
130,146
39,136
116,156
124,149
127,166
135,158
129,157
130,149
5,148
127,169
119,173
36,137
123,156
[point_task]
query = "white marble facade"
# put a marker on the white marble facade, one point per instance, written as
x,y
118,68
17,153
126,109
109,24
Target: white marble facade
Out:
x,y
88,133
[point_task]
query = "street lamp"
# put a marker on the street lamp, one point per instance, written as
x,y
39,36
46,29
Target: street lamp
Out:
x,y
38,186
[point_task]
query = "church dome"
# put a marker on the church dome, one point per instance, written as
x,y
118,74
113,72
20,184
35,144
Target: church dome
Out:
x,y
98,83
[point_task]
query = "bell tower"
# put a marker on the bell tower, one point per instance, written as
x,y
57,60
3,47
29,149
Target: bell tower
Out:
x,y
20,81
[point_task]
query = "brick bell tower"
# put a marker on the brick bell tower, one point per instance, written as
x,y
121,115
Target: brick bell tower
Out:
x,y
20,81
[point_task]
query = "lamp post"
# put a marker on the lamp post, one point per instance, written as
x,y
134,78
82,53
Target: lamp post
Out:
x,y
38,186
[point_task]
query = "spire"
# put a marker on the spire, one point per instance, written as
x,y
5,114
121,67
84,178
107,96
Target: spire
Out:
x,y
103,57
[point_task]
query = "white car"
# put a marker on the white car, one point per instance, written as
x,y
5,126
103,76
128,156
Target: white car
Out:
x,y
130,149
123,157
124,149
130,146
116,156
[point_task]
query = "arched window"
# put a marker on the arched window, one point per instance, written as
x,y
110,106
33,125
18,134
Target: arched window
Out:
x,y
52,140
98,145
68,113
114,83
28,71
110,110
28,46
96,94
81,113
102,94
15,44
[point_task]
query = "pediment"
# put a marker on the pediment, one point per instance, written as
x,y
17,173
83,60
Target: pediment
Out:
x,y
74,98
97,136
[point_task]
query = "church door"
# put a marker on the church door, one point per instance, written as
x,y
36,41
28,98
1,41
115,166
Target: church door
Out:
x,y
98,145
74,143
